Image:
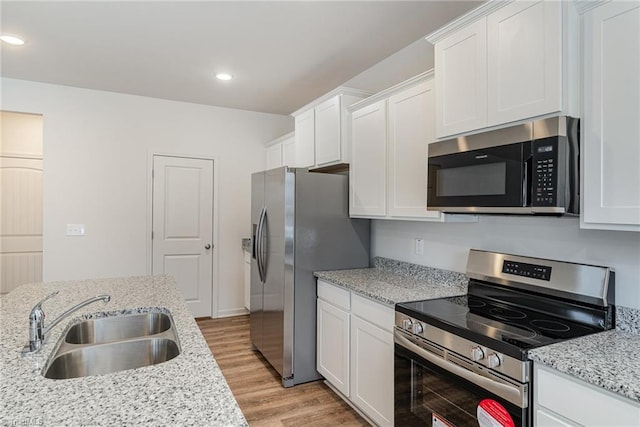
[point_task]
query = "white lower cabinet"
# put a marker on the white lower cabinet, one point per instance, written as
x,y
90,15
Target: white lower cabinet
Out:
x,y
372,370
560,400
355,350
333,345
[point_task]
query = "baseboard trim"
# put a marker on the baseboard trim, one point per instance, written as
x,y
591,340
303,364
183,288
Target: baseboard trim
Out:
x,y
232,312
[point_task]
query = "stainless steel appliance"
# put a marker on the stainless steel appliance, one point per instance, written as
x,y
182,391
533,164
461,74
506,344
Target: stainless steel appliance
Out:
x,y
532,168
462,360
300,224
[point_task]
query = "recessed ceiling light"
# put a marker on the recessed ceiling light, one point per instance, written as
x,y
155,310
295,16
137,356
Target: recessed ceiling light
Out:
x,y
224,76
8,38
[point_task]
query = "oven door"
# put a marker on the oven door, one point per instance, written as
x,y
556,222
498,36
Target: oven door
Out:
x,y
430,394
472,181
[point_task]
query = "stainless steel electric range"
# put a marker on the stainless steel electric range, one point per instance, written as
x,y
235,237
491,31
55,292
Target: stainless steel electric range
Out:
x,y
462,361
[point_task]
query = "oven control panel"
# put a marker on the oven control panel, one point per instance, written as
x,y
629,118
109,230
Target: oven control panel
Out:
x,y
541,272
440,341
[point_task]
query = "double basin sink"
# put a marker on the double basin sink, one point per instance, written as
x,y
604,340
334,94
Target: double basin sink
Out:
x,y
111,344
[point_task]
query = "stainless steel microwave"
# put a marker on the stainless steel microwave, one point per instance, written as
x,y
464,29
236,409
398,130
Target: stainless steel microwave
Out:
x,y
531,168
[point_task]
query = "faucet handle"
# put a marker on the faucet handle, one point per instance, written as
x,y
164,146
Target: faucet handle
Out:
x,y
38,306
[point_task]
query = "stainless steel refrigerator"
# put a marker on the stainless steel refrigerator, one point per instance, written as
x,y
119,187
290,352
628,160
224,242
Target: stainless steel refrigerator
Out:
x,y
300,224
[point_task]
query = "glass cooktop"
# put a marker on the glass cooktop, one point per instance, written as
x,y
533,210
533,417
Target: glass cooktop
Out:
x,y
495,324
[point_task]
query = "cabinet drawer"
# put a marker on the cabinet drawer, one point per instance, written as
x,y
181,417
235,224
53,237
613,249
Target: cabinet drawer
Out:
x,y
582,402
373,312
335,295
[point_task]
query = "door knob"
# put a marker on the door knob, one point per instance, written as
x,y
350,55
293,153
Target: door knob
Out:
x,y
207,246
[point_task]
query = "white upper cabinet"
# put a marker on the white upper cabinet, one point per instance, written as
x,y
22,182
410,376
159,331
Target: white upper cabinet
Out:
x,y
411,128
367,172
390,134
279,152
289,151
524,41
611,117
322,129
274,156
461,81
328,132
305,139
504,62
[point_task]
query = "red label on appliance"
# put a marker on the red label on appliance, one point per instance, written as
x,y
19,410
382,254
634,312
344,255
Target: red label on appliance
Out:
x,y
492,414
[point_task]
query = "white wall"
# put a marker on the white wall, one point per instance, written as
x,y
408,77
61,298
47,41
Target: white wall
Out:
x,y
446,245
96,151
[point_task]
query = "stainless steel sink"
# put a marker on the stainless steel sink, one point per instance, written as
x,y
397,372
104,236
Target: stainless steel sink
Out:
x,y
109,329
111,344
112,357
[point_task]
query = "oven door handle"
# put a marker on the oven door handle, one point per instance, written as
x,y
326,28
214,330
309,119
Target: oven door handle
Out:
x,y
507,392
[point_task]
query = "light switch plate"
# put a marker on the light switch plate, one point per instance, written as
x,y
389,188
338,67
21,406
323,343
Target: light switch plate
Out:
x,y
75,230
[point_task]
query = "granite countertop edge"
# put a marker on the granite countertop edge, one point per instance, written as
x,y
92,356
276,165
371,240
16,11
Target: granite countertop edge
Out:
x,y
390,282
605,359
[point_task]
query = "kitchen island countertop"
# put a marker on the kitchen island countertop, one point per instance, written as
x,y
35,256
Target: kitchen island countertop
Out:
x,y
390,282
187,390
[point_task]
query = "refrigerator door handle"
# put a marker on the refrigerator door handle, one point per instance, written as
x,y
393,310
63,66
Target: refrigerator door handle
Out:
x,y
265,246
260,244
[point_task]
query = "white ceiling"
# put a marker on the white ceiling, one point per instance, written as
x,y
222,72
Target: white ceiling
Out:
x,y
283,54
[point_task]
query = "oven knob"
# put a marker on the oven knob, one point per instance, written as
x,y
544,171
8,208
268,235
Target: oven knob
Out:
x,y
417,328
477,353
494,360
406,324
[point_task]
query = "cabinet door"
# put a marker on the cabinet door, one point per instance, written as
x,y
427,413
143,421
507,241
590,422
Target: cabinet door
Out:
x,y
411,129
461,80
328,148
289,152
372,371
589,405
333,345
611,123
305,139
274,156
543,418
367,177
524,43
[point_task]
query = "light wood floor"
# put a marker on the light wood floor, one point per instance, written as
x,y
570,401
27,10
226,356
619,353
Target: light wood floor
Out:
x,y
258,389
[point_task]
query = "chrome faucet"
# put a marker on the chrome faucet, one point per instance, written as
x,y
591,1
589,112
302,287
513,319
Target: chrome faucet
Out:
x,y
37,330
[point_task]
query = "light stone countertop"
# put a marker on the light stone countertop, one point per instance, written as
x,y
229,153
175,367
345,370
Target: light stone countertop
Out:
x,y
607,359
187,390
390,282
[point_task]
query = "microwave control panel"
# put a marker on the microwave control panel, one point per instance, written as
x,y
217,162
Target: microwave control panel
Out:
x,y
545,172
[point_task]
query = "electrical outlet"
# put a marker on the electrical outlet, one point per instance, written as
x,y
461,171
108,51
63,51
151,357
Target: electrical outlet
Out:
x,y
419,246
75,229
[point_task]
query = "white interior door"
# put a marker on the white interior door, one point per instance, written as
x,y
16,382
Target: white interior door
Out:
x,y
21,222
183,227
21,142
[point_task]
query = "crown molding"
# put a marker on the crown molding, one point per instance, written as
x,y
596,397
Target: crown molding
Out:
x,y
466,19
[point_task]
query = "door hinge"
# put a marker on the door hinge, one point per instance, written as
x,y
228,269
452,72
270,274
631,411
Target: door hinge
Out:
x,y
153,173
152,235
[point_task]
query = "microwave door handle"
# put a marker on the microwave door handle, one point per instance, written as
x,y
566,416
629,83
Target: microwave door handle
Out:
x,y
527,183
508,392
